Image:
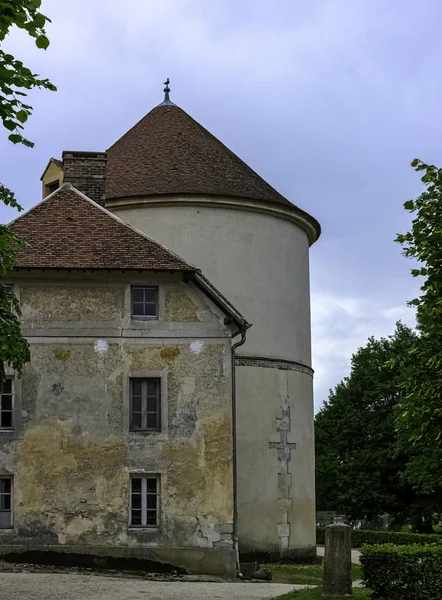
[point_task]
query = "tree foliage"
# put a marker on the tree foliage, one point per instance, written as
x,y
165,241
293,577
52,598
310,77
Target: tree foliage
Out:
x,y
15,82
14,76
421,381
419,413
359,466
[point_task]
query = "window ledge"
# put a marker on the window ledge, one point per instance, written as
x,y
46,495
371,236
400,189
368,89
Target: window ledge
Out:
x,y
143,318
143,528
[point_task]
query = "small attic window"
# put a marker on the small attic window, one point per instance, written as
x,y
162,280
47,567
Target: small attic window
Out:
x,y
51,187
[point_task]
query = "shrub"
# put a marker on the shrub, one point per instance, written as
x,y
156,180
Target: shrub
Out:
x,y
410,572
359,537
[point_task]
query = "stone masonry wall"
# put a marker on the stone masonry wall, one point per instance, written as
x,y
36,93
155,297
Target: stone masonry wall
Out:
x,y
72,453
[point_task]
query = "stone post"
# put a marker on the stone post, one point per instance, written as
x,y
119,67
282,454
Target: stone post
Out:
x,y
337,562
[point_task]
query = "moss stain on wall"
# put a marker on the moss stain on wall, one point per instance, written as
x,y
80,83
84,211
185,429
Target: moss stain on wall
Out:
x,y
73,485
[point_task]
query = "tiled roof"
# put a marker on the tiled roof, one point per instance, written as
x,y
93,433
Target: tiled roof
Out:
x,y
69,231
168,152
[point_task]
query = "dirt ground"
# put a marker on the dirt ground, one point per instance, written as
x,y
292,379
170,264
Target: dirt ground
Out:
x,y
79,586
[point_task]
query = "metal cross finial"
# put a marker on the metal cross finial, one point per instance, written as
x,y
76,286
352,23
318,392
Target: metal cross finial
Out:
x,y
166,90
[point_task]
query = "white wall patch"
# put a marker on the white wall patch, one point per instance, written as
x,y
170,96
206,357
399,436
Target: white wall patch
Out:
x,y
101,346
196,346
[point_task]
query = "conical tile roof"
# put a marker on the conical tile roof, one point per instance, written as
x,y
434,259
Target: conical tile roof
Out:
x,y
168,152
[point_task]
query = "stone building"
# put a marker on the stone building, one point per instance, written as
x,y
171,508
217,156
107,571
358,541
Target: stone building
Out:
x,y
118,438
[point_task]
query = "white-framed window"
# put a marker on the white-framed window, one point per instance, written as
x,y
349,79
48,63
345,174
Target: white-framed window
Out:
x,y
144,500
144,301
5,501
145,403
7,405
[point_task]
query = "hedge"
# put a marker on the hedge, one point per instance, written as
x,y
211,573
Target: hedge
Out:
x,y
359,537
403,572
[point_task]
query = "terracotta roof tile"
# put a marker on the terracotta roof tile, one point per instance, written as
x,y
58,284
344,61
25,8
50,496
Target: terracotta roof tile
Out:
x,y
69,231
168,152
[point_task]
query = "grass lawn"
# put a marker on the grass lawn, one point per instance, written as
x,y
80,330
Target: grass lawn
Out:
x,y
308,574
316,594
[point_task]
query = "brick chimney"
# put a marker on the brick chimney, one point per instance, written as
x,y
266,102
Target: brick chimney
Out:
x,y
86,171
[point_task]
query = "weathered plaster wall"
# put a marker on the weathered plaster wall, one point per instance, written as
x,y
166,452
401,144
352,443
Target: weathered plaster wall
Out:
x,y
73,453
75,304
276,442
260,261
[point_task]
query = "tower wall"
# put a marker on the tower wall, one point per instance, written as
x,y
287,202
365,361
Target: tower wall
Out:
x,y
261,263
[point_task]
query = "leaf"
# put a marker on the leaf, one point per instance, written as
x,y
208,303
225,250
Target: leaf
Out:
x,y
409,205
15,138
42,42
11,125
39,20
22,116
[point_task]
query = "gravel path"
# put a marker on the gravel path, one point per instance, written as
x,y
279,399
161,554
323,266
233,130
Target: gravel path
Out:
x,y
55,586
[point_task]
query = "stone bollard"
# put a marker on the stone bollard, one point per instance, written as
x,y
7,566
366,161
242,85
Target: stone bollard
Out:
x,y
337,562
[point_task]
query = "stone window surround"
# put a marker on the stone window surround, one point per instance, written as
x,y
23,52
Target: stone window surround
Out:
x,y
162,434
11,477
15,430
144,398
156,303
12,426
161,308
141,474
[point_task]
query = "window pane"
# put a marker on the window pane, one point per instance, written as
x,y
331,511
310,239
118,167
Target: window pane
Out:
x,y
150,295
137,294
6,419
7,386
152,387
6,402
5,485
5,520
136,517
151,404
151,517
136,484
138,309
151,484
137,404
136,387
151,501
5,502
144,301
151,420
136,501
136,421
150,310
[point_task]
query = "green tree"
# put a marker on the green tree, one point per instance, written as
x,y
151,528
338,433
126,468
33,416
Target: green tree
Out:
x,y
421,414
358,466
15,81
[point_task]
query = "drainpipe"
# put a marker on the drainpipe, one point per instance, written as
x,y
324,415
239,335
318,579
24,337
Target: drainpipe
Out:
x,y
234,452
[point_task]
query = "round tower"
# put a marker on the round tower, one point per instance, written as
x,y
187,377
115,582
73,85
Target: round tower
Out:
x,y
172,179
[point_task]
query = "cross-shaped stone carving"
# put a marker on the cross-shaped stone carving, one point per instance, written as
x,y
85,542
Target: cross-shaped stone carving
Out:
x,y
283,446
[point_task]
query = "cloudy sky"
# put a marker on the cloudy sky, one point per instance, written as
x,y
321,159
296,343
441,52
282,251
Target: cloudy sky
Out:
x,y
329,100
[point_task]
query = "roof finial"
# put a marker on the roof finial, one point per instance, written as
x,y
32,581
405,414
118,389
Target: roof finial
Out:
x,y
166,90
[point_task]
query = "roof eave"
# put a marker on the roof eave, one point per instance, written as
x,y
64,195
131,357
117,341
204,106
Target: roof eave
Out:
x,y
216,297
